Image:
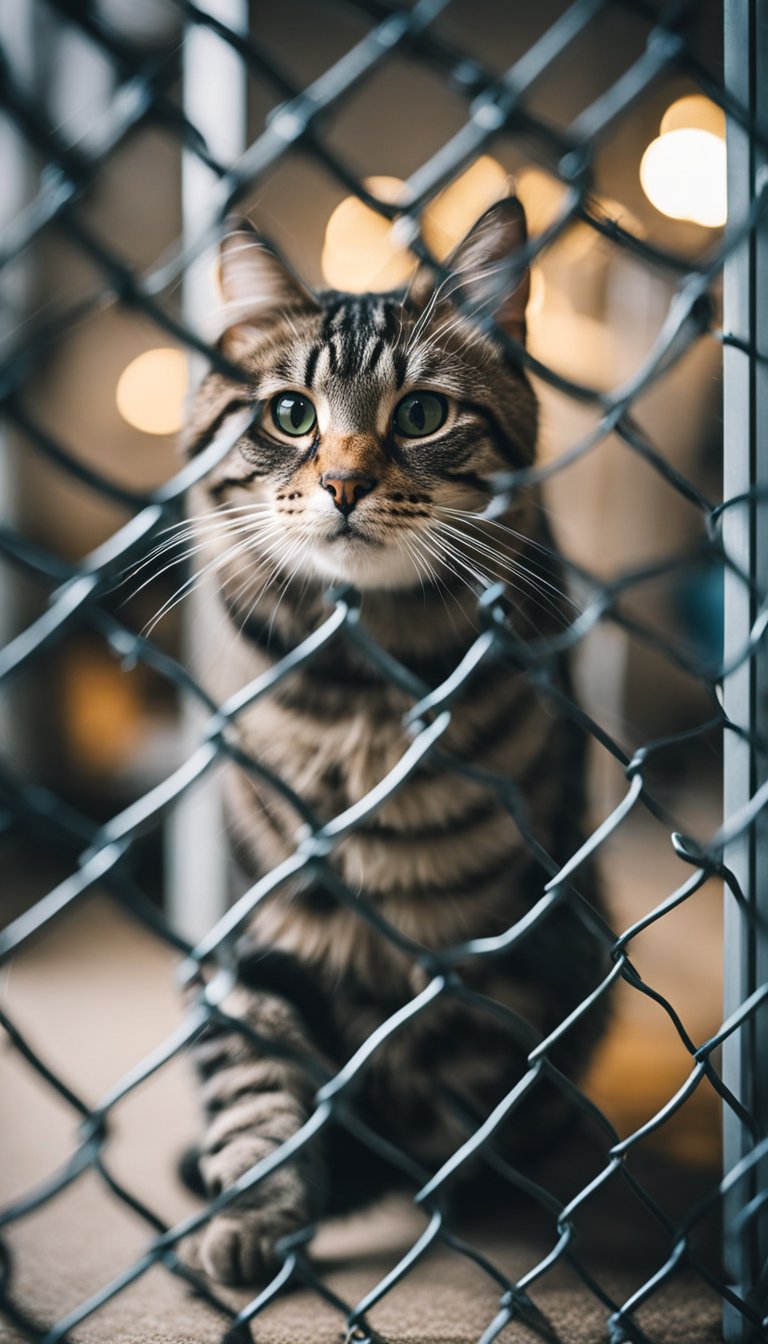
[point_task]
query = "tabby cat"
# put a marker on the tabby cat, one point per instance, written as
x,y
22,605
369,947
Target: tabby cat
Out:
x,y
382,420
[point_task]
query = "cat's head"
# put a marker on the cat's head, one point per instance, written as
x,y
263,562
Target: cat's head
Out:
x,y
378,414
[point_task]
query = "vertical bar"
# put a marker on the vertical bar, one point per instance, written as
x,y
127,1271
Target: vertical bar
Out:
x,y
17,41
745,1054
215,100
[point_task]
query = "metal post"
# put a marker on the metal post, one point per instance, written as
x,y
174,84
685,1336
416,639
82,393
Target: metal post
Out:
x,y
215,100
745,1054
17,39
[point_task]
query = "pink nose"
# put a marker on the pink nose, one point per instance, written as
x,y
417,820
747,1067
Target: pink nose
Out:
x,y
346,490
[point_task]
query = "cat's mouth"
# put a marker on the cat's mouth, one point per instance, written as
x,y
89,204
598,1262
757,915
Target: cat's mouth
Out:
x,y
347,532
351,553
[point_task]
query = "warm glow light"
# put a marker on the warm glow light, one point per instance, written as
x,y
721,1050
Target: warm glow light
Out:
x,y
577,346
694,113
360,252
538,293
451,215
542,197
683,174
363,251
151,390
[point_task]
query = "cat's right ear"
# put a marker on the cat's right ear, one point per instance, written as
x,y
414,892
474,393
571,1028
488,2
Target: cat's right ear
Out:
x,y
255,282
483,275
482,264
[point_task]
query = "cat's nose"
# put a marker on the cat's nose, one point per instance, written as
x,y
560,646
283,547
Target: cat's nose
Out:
x,y
346,490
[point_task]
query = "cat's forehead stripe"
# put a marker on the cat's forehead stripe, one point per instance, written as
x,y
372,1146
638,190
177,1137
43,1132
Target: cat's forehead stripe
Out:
x,y
376,351
356,337
311,364
364,337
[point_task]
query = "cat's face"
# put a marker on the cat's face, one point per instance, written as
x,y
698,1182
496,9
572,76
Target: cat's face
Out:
x,y
378,416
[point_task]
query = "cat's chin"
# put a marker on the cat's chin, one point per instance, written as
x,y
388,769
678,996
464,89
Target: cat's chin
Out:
x,y
357,562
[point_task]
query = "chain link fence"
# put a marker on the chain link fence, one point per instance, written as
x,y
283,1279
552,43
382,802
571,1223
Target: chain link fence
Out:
x,y
80,597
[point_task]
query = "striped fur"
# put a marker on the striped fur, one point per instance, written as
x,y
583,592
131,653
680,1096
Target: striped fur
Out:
x,y
443,860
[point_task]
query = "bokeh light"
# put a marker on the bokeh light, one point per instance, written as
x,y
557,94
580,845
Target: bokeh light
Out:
x,y
364,251
694,113
683,171
151,390
361,251
451,215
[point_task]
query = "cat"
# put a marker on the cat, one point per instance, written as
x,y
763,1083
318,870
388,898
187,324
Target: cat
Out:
x,y
382,421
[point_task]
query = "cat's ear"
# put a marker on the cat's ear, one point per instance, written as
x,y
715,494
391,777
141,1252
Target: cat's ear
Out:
x,y
484,267
254,281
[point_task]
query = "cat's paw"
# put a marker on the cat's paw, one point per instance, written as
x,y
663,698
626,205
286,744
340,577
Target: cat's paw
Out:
x,y
238,1244
239,1248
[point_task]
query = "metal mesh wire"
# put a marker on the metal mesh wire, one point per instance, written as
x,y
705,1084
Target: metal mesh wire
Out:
x,y
78,600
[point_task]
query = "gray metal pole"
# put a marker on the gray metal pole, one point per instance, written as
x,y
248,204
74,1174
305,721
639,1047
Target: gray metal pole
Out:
x,y
215,99
745,1053
17,28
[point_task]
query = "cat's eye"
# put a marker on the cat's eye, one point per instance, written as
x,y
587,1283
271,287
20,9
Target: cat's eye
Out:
x,y
420,413
293,413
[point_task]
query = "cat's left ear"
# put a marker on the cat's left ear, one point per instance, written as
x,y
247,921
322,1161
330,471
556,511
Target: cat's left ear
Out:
x,y
255,282
481,261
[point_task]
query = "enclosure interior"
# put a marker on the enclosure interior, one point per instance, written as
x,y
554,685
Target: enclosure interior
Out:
x,y
94,992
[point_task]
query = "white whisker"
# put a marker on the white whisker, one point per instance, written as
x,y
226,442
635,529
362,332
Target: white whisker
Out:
x,y
239,530
439,549
521,576
509,562
195,579
481,521
441,588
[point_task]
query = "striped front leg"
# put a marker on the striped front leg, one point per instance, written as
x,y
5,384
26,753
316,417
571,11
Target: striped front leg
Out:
x,y
254,1102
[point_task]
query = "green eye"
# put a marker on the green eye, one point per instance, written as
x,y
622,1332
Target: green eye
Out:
x,y
292,413
420,413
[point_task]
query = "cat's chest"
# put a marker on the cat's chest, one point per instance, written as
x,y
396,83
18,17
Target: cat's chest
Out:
x,y
335,742
433,848
333,758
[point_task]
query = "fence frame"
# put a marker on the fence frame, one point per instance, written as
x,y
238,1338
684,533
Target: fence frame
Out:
x,y
197,883
745,472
